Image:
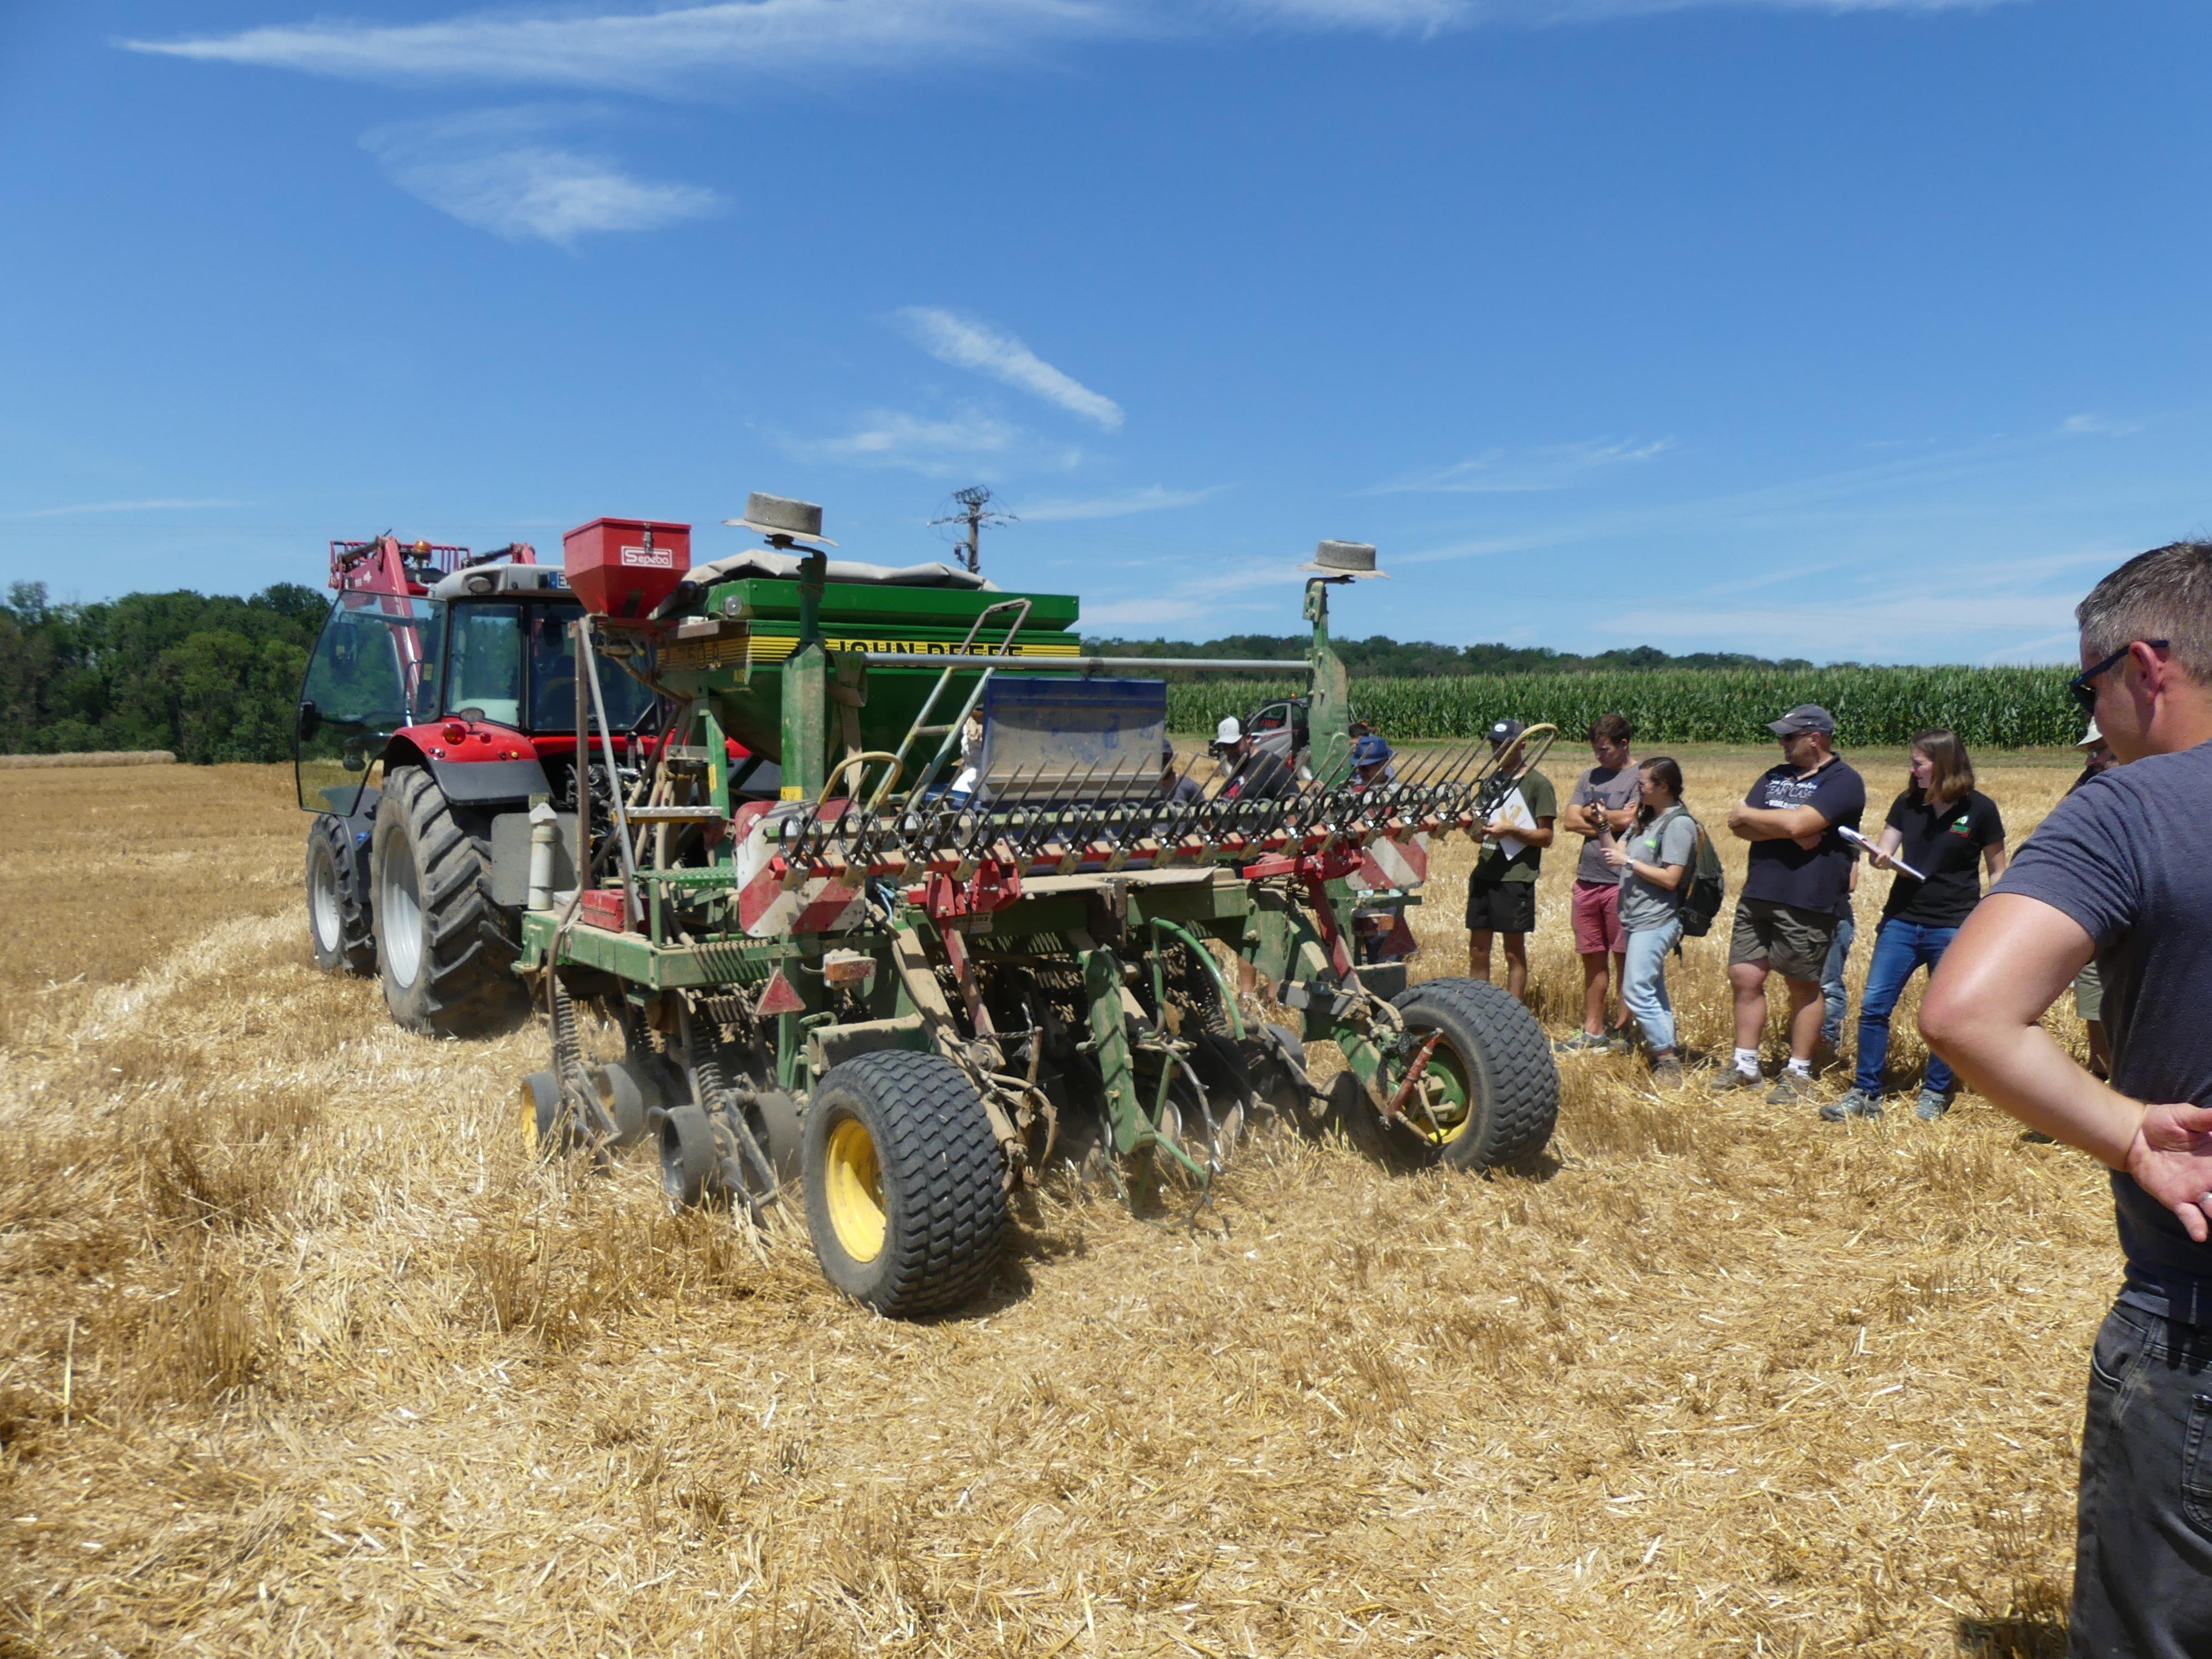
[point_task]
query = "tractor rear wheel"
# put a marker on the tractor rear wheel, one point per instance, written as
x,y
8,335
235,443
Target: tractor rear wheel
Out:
x,y
443,946
338,927
1490,1094
906,1196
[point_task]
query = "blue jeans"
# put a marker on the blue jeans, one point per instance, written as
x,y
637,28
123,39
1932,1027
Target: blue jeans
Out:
x,y
1832,979
1643,982
1900,949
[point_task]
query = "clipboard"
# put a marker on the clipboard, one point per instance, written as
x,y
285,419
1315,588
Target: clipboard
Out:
x,y
1513,813
1861,841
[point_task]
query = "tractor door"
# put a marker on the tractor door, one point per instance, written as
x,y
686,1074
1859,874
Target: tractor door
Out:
x,y
1279,729
371,673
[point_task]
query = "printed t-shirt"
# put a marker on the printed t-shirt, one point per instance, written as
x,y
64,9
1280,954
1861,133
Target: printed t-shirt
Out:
x,y
2123,855
1543,803
1611,789
1818,879
1945,846
1671,838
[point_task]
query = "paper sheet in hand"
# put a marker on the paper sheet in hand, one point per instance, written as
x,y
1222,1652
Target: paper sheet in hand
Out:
x,y
1513,813
1896,863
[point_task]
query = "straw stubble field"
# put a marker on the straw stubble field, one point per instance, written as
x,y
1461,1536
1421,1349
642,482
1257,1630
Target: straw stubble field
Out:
x,y
307,1353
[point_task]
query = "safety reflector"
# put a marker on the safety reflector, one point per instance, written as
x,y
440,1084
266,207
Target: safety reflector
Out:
x,y
777,997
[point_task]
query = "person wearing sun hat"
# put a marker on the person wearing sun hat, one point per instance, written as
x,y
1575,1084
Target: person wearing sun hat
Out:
x,y
1501,894
1794,891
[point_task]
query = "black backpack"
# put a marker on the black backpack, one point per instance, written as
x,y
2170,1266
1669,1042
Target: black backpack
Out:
x,y
1698,899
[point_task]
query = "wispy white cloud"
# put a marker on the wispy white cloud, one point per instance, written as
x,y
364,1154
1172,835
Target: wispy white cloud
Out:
x,y
160,504
670,45
655,48
2098,426
891,437
1196,598
1152,498
966,344
1522,472
503,171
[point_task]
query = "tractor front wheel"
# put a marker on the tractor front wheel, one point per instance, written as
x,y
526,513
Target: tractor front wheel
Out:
x,y
441,943
338,926
906,1197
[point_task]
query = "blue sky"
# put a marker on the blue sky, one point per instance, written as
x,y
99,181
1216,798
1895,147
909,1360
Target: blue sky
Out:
x,y
1827,327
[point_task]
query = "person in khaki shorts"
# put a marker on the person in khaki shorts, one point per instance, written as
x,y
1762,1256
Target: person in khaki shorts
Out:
x,y
1793,892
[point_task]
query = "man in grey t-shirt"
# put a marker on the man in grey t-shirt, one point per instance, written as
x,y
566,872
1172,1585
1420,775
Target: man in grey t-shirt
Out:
x,y
2119,869
1600,806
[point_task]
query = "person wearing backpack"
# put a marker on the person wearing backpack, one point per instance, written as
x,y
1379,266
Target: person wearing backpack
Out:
x,y
1947,831
1656,861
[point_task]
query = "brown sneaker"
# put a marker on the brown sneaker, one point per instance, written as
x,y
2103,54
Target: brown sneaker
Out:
x,y
1789,1090
1731,1079
1666,1070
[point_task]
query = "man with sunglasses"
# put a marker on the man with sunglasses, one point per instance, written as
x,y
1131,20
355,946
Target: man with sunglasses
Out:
x,y
1796,887
2119,869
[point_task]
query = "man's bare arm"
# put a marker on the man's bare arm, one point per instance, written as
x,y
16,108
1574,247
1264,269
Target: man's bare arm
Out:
x,y
1776,823
1984,1013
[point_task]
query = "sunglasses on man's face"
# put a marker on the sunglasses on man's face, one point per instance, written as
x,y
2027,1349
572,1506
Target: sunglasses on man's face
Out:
x,y
2083,685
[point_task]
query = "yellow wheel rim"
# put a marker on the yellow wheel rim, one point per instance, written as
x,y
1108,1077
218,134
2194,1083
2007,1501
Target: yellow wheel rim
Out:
x,y
853,1185
1443,1089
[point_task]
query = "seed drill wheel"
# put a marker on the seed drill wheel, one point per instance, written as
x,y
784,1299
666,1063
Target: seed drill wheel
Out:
x,y
906,1197
338,911
1490,1094
441,941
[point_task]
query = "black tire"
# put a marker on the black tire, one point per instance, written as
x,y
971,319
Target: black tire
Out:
x,y
339,928
691,1157
906,1197
446,952
626,1092
1504,1061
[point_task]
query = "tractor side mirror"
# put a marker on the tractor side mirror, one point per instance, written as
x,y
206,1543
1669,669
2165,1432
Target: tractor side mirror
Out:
x,y
311,720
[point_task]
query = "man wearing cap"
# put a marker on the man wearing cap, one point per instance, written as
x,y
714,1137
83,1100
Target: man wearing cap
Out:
x,y
1501,895
1253,772
1794,893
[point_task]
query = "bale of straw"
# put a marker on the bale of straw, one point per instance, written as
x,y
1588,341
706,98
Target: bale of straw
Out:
x,y
93,757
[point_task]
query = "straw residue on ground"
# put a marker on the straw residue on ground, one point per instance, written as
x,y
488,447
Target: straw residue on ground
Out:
x,y
307,1353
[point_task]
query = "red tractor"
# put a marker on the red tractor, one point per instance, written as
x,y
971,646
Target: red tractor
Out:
x,y
439,706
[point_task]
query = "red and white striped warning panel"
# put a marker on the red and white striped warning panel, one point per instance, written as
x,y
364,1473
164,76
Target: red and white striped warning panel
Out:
x,y
769,904
1392,863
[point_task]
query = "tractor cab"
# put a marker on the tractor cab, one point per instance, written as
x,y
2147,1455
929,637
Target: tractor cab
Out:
x,y
486,647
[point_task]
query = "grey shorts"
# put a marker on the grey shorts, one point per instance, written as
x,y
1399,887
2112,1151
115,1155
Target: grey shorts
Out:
x,y
2089,994
1793,943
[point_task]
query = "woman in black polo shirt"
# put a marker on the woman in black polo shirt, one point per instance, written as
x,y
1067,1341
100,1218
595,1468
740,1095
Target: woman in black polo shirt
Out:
x,y
1949,831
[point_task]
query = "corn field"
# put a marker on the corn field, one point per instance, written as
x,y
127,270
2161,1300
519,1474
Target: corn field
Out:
x,y
1989,708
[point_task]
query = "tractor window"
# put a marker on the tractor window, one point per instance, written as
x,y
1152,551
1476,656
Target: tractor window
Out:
x,y
553,675
483,671
368,678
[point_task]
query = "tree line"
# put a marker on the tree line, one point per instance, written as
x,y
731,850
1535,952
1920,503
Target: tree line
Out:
x,y
212,677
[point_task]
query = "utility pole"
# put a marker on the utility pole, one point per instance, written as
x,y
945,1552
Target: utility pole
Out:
x,y
972,507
